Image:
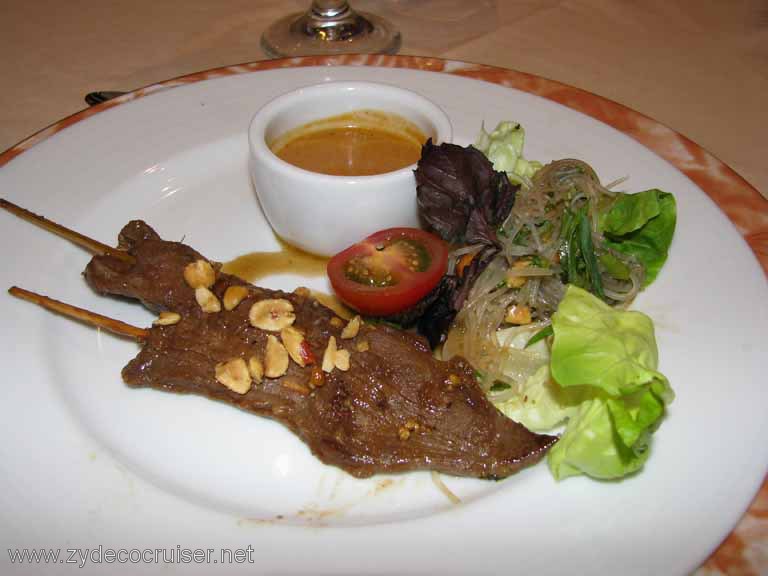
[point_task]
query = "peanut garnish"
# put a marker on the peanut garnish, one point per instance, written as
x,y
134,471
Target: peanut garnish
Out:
x,y
295,385
317,378
412,425
362,346
302,292
333,357
341,360
275,358
255,369
329,355
199,273
351,329
272,314
207,300
513,280
404,432
337,322
234,375
233,296
518,314
297,346
167,318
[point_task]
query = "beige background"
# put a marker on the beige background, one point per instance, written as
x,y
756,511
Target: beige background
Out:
x,y
700,67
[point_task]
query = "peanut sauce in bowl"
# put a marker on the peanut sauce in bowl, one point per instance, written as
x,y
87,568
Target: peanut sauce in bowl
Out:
x,y
359,143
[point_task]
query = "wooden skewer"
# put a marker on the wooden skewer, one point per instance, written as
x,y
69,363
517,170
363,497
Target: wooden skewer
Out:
x,y
89,244
114,326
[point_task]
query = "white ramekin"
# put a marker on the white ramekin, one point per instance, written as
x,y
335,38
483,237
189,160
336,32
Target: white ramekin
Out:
x,y
324,214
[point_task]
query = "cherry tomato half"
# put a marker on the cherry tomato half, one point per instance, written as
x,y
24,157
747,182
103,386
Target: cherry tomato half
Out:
x,y
389,271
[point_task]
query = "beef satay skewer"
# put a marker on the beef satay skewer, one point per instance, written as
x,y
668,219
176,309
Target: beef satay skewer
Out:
x,y
93,246
92,318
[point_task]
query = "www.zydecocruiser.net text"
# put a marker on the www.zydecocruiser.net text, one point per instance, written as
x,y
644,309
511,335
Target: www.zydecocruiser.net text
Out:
x,y
100,555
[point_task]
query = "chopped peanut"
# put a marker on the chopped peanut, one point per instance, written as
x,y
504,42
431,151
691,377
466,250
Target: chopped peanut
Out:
x,y
405,431
337,322
234,375
303,292
199,273
255,369
233,296
167,319
297,346
362,346
329,354
207,300
333,357
352,328
272,314
342,360
317,378
275,358
513,280
518,314
295,385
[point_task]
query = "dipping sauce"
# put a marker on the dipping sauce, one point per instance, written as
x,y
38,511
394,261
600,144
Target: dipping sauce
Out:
x,y
288,260
359,143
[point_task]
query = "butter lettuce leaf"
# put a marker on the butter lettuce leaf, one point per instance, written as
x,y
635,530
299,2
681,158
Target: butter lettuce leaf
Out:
x,y
542,404
643,225
589,446
612,353
630,212
504,148
596,345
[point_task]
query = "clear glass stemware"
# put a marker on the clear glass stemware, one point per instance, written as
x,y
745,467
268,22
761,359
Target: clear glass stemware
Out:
x,y
330,27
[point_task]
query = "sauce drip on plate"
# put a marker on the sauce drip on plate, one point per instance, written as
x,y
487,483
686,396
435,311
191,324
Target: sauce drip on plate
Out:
x,y
288,260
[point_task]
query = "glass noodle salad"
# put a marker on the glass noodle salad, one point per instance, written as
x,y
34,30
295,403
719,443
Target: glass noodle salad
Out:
x,y
536,297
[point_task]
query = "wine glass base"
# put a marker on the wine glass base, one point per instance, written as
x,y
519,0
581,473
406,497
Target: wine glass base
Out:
x,y
295,35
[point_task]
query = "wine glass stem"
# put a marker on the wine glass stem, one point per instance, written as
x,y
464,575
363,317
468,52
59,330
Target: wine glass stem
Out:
x,y
329,9
332,20
330,27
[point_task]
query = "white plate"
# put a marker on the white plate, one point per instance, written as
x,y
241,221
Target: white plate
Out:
x,y
88,463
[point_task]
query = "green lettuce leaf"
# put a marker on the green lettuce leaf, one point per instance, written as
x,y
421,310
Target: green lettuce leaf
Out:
x,y
590,446
612,353
643,225
630,212
504,147
635,416
596,345
542,404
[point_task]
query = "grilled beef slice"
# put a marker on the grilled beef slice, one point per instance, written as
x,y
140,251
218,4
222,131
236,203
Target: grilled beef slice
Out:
x,y
395,409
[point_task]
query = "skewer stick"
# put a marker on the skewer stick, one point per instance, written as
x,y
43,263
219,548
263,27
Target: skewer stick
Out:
x,y
114,326
89,244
